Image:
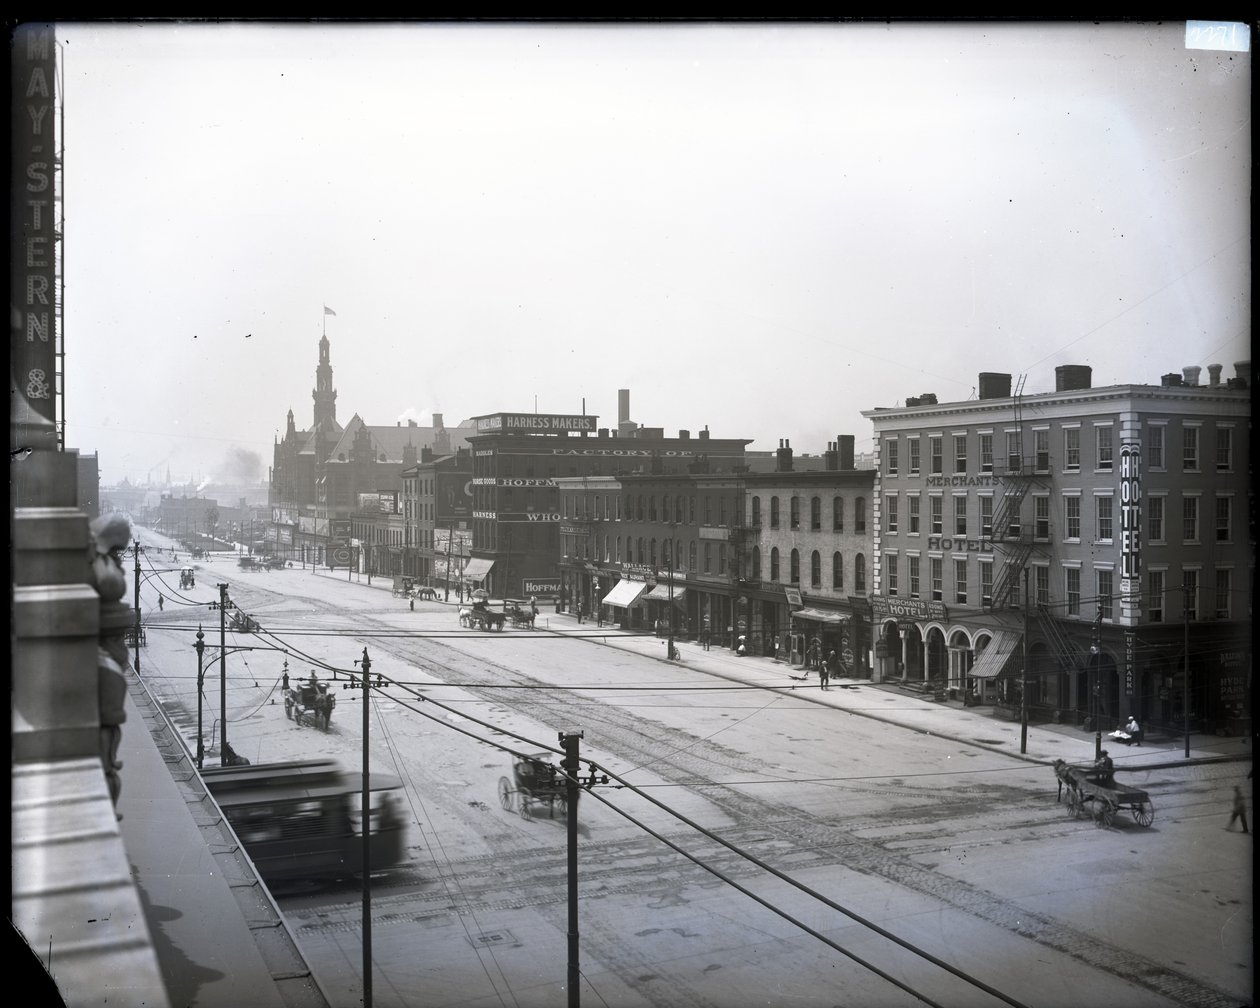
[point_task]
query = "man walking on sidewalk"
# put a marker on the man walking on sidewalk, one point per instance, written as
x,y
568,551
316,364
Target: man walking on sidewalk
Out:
x,y
1240,810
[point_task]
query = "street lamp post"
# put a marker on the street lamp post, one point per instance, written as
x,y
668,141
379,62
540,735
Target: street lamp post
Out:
x,y
223,739
1185,662
201,647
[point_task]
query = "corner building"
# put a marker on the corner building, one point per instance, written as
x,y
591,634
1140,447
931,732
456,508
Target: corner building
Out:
x,y
1094,547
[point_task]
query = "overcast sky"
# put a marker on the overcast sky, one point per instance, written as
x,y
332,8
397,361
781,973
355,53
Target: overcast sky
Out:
x,y
760,228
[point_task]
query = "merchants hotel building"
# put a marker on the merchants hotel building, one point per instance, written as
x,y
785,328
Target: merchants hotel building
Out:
x,y
1105,535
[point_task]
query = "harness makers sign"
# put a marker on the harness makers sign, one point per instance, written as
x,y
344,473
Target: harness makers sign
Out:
x,y
534,423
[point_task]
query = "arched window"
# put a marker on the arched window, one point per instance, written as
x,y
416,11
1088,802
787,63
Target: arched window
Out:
x,y
680,515
774,563
794,509
691,557
774,512
815,568
667,553
756,512
640,508
859,574
815,513
652,553
796,567
837,514
652,508
642,550
837,572
756,563
859,515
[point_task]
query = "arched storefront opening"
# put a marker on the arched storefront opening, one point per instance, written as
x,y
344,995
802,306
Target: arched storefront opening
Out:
x,y
937,657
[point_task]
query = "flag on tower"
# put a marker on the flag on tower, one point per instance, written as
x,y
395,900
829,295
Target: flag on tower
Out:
x,y
328,311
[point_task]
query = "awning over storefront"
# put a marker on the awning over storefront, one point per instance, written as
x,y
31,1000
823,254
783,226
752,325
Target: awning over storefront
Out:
x,y
661,593
477,568
820,616
992,661
625,593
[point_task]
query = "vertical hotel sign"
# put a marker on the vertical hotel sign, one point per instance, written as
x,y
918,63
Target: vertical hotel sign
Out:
x,y
1130,552
32,341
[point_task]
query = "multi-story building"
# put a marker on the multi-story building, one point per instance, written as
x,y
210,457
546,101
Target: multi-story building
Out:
x,y
437,499
517,458
1086,545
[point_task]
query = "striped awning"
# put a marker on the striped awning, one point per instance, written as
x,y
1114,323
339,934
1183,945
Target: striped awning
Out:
x,y
995,657
820,616
477,568
663,593
625,593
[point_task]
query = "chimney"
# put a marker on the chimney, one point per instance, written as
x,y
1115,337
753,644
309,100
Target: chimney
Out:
x,y
1242,371
1170,380
783,457
412,423
844,452
1072,377
1190,374
1214,374
437,421
994,385
704,434
928,398
912,400
684,435
831,458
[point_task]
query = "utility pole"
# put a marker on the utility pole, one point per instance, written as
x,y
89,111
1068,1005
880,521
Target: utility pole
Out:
x,y
223,739
201,647
136,549
366,826
1185,660
1023,688
569,742
1096,656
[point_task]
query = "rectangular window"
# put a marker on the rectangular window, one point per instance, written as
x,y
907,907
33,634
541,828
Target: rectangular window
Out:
x,y
935,447
1072,517
937,504
1223,507
890,513
913,503
721,558
1072,449
1014,520
1154,450
1190,586
914,455
960,517
986,583
1041,450
1224,449
1104,510
1190,519
1190,449
1014,452
986,517
890,456
1155,518
960,582
1104,443
938,578
1012,580
1041,585
1041,517
960,453
986,453
1104,594
1073,586
890,573
914,576
1222,594
1155,596
794,512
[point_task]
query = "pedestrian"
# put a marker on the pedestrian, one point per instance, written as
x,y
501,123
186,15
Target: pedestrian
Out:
x,y
833,667
284,684
776,650
1240,810
824,671
161,601
412,603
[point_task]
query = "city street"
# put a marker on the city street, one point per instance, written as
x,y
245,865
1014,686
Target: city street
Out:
x,y
955,848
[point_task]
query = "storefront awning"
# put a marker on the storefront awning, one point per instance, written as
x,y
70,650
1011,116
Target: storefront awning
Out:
x,y
477,568
992,661
663,593
820,616
625,593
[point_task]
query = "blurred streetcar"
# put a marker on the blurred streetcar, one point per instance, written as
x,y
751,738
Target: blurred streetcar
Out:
x,y
303,819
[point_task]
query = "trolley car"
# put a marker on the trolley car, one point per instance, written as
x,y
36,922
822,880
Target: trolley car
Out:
x,y
303,819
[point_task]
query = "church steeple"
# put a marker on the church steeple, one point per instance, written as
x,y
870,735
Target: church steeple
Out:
x,y
324,394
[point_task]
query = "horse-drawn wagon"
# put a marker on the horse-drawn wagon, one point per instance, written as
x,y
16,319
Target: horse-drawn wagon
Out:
x,y
521,612
535,781
479,616
1095,793
187,579
309,700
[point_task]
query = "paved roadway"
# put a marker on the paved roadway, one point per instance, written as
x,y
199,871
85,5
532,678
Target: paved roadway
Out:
x,y
915,816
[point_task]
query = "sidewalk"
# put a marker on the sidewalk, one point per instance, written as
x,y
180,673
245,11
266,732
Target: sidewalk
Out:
x,y
891,703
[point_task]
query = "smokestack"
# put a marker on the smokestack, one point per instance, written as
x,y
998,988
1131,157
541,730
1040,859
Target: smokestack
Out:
x,y
1071,377
623,405
831,458
844,452
437,421
1214,374
994,385
783,457
1242,371
1190,374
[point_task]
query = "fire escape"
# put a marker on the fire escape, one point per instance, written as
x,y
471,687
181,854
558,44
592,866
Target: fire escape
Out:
x,y
1010,535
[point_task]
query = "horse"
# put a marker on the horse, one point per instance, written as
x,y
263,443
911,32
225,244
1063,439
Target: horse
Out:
x,y
465,616
1063,776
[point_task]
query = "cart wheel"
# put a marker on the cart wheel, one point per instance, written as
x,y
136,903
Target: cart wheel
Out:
x,y
1106,815
1144,813
506,796
1074,804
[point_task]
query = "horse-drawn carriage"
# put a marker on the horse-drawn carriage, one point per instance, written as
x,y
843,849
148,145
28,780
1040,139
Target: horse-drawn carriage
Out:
x,y
479,616
309,700
521,612
535,781
1095,793
187,579
198,553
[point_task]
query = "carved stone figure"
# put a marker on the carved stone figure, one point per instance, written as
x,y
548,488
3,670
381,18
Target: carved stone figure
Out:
x,y
110,535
